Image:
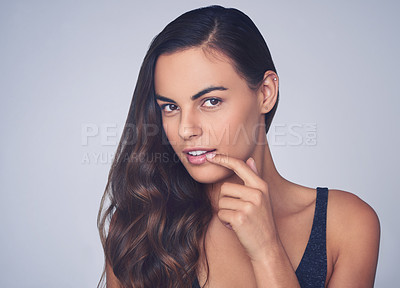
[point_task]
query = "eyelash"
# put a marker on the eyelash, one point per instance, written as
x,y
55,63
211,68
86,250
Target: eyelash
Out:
x,y
163,106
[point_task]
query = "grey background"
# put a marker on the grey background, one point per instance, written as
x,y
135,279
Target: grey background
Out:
x,y
68,69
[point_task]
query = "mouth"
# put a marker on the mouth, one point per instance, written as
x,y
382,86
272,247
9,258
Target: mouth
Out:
x,y
197,156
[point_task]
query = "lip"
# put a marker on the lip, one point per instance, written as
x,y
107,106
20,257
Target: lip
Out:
x,y
197,160
187,150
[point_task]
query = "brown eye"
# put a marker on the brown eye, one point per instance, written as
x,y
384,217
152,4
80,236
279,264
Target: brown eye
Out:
x,y
212,102
169,107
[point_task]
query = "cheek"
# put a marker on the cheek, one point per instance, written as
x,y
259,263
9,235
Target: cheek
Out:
x,y
171,133
238,134
229,134
170,129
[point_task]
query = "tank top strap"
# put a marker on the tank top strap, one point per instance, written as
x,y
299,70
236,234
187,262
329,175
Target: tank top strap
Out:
x,y
312,269
313,266
319,224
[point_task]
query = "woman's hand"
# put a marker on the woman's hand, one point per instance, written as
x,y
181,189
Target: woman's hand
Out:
x,y
246,209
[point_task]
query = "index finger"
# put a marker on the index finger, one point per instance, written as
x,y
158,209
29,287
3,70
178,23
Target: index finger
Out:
x,y
249,177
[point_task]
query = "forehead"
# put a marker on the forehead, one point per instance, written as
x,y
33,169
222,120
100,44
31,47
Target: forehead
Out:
x,y
188,71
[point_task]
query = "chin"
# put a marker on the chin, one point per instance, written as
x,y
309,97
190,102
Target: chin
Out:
x,y
209,175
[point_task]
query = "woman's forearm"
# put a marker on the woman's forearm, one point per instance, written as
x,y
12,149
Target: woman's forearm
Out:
x,y
273,268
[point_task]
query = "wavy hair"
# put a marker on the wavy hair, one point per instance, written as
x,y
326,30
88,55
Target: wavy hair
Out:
x,y
153,214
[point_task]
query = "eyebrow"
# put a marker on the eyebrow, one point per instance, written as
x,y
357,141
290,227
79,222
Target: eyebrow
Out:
x,y
195,96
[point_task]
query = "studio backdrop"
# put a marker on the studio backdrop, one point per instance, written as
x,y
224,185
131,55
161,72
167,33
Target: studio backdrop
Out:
x,y
68,70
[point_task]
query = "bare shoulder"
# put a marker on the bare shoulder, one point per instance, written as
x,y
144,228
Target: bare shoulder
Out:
x,y
346,210
353,235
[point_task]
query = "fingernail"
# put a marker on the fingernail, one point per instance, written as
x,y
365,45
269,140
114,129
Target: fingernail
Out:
x,y
253,165
210,155
227,225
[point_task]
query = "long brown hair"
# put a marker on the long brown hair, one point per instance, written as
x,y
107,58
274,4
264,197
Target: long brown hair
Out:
x,y
153,213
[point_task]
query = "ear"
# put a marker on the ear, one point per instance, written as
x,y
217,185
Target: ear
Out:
x,y
268,91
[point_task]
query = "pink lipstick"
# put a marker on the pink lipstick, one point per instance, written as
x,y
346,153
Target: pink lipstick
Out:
x,y
197,156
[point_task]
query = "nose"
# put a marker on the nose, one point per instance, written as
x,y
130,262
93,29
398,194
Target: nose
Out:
x,y
189,127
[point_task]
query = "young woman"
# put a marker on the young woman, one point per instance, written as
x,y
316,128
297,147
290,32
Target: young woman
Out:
x,y
193,196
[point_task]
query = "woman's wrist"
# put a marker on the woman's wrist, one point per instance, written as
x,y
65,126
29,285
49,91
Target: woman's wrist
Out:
x,y
272,267
273,249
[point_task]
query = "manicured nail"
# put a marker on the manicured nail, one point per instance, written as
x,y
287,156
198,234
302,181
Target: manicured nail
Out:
x,y
253,165
210,155
227,225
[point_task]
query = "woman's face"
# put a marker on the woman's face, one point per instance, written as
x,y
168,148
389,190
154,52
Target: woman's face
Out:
x,y
207,106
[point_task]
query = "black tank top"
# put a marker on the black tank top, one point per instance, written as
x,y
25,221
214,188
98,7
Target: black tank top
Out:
x,y
312,269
